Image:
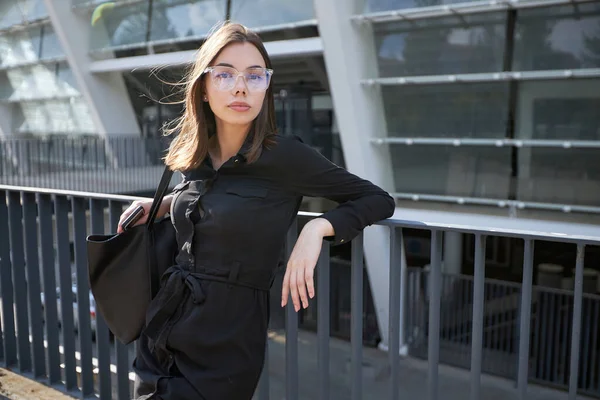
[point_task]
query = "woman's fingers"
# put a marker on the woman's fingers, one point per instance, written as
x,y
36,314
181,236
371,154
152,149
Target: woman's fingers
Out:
x,y
294,288
298,283
301,282
285,291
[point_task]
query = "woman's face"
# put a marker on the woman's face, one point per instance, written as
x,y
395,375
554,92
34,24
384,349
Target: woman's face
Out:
x,y
236,84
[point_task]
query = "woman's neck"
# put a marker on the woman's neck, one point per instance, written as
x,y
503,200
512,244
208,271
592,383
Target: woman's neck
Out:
x,y
227,142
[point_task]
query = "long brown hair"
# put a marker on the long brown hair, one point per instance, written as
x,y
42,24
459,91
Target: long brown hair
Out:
x,y
197,123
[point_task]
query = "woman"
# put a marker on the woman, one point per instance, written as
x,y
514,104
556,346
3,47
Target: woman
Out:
x,y
242,186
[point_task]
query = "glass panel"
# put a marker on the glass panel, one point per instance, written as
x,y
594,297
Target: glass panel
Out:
x,y
566,176
441,46
33,9
173,19
257,13
558,38
120,26
10,13
387,5
40,81
448,110
51,47
68,116
553,110
20,47
66,80
453,171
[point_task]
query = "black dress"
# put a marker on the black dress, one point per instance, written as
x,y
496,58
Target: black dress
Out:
x,y
207,327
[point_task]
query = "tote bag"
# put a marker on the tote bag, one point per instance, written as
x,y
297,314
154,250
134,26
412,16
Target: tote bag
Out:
x,y
124,269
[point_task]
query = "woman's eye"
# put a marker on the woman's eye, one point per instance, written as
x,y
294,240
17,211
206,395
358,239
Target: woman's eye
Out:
x,y
224,75
254,77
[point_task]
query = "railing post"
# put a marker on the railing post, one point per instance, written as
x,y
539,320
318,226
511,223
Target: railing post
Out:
x,y
576,330
291,329
356,315
33,283
434,312
478,299
114,211
394,317
45,213
323,320
61,206
15,214
8,337
525,325
102,332
83,295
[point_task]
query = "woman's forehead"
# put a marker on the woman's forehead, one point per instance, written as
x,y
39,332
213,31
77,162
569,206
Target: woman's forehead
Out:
x,y
240,56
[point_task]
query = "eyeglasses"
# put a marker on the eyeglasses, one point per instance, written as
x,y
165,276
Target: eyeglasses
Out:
x,y
224,78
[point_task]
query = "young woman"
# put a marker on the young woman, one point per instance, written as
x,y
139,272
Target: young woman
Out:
x,y
242,186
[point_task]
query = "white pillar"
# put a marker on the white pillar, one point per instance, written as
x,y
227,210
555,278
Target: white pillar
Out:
x,y
453,254
349,53
106,94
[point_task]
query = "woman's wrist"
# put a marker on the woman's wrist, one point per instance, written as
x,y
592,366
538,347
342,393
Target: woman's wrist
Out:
x,y
321,227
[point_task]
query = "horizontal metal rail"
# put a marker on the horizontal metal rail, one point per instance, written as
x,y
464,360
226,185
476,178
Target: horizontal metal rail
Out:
x,y
459,9
491,142
486,77
25,25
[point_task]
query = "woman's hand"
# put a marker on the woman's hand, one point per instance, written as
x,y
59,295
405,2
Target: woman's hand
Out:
x,y
301,265
162,210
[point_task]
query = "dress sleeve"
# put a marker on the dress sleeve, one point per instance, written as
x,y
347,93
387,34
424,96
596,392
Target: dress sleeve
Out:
x,y
361,203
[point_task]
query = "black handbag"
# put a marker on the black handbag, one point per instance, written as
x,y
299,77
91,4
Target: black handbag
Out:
x,y
124,269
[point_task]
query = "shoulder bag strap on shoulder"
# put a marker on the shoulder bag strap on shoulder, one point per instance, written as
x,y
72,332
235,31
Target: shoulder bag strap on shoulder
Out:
x,y
158,196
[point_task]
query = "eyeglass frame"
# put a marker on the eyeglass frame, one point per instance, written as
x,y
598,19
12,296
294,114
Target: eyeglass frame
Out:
x,y
269,71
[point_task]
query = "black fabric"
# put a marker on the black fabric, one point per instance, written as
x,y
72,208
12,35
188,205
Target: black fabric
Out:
x,y
124,269
206,329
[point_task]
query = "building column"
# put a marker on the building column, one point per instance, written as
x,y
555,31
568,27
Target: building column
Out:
x,y
106,94
350,57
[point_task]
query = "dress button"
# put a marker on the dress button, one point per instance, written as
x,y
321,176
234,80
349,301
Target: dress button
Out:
x,y
341,240
237,160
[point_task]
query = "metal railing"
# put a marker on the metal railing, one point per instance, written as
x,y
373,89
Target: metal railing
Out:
x,y
551,331
117,164
41,225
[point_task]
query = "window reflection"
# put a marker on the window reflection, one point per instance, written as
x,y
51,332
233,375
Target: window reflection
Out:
x,y
450,110
55,116
559,110
51,47
10,13
257,13
556,175
558,38
33,9
20,47
452,171
121,26
40,81
446,46
173,19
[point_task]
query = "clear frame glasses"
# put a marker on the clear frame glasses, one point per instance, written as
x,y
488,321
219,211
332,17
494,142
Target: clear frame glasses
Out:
x,y
224,78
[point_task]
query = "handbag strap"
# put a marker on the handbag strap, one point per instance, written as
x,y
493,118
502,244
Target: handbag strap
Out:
x,y
158,196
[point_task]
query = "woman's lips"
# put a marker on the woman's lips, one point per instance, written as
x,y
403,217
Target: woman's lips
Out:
x,y
239,107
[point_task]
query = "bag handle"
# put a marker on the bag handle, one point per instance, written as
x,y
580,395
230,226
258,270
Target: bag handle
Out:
x,y
158,196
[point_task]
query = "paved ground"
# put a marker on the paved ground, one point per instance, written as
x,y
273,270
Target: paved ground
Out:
x,y
16,387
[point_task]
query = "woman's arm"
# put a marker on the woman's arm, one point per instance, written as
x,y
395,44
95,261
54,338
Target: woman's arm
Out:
x,y
361,203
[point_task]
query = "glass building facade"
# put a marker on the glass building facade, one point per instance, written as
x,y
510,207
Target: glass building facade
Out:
x,y
482,104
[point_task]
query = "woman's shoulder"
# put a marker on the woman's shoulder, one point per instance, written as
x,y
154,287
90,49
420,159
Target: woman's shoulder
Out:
x,y
286,147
